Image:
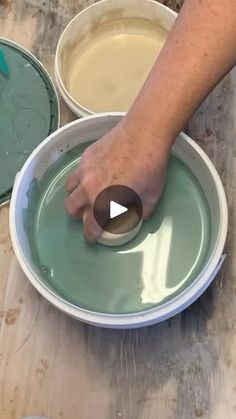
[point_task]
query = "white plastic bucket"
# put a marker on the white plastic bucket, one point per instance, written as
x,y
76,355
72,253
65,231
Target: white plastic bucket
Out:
x,y
91,128
81,24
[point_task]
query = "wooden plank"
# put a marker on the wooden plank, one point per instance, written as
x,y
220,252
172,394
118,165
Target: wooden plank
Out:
x,y
54,366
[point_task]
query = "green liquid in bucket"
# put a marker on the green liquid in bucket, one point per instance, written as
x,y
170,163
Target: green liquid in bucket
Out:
x,y
165,257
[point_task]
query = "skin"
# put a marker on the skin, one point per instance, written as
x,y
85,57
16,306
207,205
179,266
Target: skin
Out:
x,y
200,50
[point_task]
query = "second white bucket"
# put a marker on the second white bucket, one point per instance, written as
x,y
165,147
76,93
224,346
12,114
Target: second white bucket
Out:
x,y
96,16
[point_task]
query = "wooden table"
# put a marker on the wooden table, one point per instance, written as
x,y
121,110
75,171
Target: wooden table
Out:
x,y
54,366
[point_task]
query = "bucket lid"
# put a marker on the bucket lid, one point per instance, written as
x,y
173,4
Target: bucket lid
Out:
x,y
29,110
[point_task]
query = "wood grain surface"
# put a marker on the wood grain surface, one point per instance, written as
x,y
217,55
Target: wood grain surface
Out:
x,y
54,366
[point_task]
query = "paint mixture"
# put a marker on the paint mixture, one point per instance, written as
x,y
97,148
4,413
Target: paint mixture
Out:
x,y
106,72
25,118
160,262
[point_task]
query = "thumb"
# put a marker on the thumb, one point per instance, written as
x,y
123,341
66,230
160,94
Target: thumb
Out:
x,y
91,228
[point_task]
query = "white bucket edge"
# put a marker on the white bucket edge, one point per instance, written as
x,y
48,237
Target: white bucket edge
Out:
x,y
133,320
75,106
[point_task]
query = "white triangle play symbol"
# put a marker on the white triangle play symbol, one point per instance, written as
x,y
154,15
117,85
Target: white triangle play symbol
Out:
x,y
116,209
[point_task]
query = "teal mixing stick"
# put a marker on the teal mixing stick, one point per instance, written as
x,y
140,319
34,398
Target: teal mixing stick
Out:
x,y
4,69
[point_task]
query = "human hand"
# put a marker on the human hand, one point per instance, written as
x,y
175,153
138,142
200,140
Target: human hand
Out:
x,y
126,157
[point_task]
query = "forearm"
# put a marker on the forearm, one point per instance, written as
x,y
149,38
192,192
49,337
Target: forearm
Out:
x,y
200,50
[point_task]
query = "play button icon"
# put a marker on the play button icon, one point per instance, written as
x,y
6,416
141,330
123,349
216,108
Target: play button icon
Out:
x,y
118,209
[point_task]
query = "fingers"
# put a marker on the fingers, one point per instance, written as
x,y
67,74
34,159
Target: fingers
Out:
x,y
148,209
77,206
75,203
91,229
151,200
73,181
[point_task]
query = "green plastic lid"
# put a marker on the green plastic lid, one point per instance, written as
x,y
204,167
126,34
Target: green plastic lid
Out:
x,y
29,110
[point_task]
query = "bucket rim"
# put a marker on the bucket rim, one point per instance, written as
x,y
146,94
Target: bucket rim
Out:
x,y
137,319
74,105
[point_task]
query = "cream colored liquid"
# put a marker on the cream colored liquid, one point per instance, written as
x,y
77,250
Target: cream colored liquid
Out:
x,y
108,74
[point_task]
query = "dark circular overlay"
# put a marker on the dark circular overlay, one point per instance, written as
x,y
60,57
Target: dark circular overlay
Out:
x,y
121,195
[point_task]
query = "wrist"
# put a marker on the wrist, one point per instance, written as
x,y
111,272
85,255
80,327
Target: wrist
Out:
x,y
153,140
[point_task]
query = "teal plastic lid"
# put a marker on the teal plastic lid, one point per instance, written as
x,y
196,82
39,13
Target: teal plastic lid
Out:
x,y
29,110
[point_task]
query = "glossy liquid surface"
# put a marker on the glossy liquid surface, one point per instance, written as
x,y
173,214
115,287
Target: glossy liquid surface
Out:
x,y
108,72
159,263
